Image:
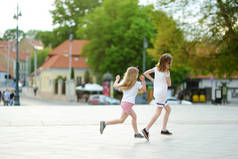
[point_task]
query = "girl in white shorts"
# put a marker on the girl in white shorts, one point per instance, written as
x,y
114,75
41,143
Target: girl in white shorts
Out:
x,y
161,83
129,86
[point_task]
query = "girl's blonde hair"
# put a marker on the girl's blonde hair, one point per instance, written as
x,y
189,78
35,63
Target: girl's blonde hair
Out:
x,y
129,79
164,59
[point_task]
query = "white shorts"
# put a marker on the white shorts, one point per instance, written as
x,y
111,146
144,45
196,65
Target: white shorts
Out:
x,y
161,102
160,99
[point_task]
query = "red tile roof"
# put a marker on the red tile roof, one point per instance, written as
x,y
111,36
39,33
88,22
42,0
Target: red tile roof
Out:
x,y
58,58
4,44
62,61
22,56
4,49
3,69
63,48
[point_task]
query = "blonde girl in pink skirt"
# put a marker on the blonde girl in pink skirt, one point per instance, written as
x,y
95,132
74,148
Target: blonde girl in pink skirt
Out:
x,y
129,86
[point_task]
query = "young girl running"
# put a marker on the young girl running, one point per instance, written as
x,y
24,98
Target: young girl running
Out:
x,y
161,83
129,86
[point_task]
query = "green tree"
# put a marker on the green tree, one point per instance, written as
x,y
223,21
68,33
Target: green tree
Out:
x,y
215,50
72,73
41,56
47,38
179,75
170,39
87,77
32,34
11,34
65,16
116,32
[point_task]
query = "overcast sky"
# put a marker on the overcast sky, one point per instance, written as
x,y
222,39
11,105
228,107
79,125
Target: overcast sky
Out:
x,y
35,14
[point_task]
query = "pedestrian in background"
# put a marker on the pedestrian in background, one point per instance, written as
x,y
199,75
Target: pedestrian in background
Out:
x,y
180,95
12,95
0,96
161,83
6,97
129,86
3,92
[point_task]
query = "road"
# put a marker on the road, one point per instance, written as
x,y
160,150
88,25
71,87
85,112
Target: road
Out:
x,y
41,129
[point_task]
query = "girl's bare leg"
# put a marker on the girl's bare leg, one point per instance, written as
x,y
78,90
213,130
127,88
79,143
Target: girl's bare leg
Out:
x,y
154,118
166,116
134,122
118,121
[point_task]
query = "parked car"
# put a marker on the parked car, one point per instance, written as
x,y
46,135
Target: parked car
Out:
x,y
173,100
99,99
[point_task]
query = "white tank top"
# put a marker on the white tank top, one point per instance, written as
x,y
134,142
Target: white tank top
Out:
x,y
160,84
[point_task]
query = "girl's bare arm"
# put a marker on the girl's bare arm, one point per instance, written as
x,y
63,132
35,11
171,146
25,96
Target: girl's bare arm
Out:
x,y
116,84
168,80
147,74
142,78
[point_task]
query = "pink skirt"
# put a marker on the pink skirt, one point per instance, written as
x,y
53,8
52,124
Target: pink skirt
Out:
x,y
126,107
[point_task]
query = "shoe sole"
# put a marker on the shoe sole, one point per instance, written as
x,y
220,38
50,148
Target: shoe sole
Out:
x,y
166,134
101,127
139,137
144,133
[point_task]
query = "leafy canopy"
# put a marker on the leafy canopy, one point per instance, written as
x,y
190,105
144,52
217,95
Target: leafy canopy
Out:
x,y
116,31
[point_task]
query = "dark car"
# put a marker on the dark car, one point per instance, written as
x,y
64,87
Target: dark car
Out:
x,y
99,99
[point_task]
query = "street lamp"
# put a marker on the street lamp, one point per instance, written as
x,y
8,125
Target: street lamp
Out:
x,y
17,100
8,58
70,54
70,66
145,45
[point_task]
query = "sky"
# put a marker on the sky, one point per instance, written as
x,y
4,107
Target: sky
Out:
x,y
35,14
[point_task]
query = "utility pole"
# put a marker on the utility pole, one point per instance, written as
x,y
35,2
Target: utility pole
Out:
x,y
17,100
35,67
8,58
70,54
27,70
70,66
145,45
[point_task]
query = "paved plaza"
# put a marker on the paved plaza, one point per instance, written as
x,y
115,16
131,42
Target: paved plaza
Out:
x,y
40,130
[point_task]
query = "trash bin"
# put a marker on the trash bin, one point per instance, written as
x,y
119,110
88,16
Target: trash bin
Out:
x,y
202,98
195,98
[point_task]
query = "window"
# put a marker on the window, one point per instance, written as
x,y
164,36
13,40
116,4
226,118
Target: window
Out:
x,y
234,93
79,80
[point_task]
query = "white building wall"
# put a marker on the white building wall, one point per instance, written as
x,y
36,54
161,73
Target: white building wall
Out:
x,y
2,76
47,75
232,86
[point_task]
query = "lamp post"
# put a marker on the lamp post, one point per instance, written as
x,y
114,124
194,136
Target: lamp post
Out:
x,y
70,67
8,58
145,45
17,100
70,54
35,68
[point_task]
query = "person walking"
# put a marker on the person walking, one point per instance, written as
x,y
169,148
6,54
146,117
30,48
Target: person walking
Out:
x,y
0,96
12,95
161,83
6,97
3,92
129,86
180,95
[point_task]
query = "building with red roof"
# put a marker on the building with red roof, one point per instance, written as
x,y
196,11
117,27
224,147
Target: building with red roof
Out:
x,y
23,59
3,73
57,65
